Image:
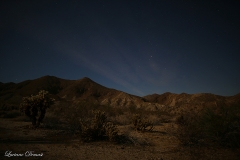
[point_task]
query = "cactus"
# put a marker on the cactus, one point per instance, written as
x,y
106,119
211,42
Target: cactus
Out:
x,y
140,124
111,131
33,105
97,128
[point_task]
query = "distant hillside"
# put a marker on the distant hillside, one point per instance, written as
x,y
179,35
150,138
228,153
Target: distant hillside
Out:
x,y
75,91
11,93
171,99
192,102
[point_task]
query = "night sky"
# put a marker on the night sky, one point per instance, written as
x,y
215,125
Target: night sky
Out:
x,y
137,46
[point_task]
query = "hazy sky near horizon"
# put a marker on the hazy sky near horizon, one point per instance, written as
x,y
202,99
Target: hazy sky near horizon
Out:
x,y
136,46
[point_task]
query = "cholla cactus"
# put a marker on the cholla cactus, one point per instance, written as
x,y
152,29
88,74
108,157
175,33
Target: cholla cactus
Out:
x,y
140,124
111,131
33,105
97,127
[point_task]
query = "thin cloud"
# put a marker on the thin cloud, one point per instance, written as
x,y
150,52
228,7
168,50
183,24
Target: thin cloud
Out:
x,y
119,74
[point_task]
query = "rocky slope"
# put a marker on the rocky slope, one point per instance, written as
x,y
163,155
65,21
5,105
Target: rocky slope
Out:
x,y
75,91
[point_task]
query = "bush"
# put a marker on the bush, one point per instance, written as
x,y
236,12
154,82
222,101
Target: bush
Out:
x,y
140,124
96,127
188,130
220,126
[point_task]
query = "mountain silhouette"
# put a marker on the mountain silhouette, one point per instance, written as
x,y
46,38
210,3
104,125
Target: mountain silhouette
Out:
x,y
85,89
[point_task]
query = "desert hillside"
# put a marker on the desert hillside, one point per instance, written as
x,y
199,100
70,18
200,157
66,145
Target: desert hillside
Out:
x,y
85,89
158,126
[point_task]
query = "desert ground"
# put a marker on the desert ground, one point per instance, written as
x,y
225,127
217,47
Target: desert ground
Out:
x,y
18,137
175,134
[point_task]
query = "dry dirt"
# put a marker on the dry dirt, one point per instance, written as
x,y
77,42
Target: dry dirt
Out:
x,y
16,136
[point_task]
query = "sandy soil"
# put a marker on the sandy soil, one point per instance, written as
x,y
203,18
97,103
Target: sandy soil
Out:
x,y
17,137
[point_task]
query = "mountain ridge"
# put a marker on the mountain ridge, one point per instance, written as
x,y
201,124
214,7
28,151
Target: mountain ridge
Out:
x,y
85,89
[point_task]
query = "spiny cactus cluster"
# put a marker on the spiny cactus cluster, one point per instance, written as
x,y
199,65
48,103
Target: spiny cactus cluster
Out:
x,y
111,131
140,124
97,128
35,104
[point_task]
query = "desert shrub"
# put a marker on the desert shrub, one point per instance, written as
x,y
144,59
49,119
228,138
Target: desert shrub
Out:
x,y
71,115
96,127
188,130
140,124
111,131
221,126
34,105
90,122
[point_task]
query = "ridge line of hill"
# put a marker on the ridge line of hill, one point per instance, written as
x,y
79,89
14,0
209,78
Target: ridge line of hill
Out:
x,y
85,89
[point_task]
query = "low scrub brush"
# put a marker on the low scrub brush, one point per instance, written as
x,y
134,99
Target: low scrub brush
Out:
x,y
140,124
96,127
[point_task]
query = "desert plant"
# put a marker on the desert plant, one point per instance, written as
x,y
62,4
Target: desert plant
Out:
x,y
35,104
188,131
96,127
111,131
220,126
140,124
